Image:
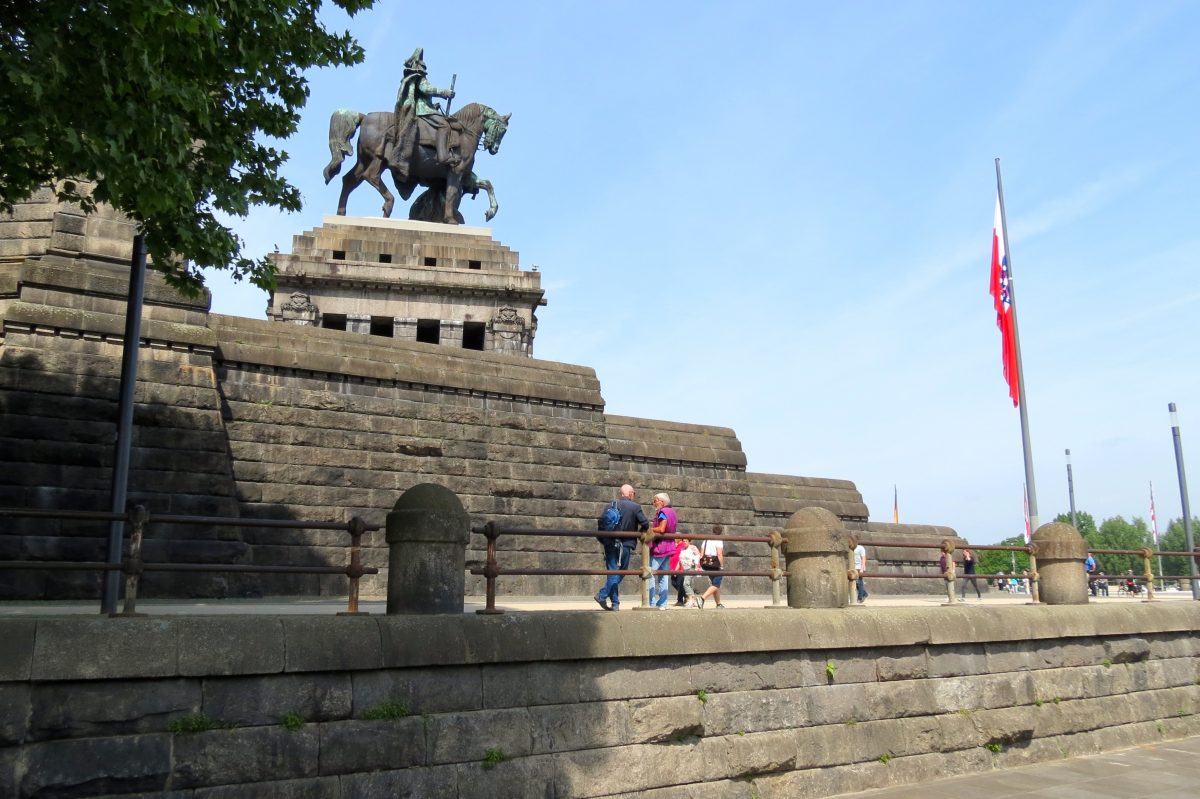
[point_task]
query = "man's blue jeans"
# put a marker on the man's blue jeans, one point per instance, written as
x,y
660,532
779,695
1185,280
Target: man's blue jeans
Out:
x,y
616,556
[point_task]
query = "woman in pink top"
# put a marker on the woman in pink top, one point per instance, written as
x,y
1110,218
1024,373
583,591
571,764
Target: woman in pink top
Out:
x,y
662,549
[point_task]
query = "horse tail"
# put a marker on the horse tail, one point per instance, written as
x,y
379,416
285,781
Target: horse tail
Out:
x,y
343,124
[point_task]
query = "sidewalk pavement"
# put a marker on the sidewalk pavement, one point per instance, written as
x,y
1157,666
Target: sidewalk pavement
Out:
x,y
1168,770
280,606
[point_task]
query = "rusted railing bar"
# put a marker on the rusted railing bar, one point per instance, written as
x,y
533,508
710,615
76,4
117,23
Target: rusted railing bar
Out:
x,y
250,567
545,532
59,565
171,518
225,521
625,572
76,515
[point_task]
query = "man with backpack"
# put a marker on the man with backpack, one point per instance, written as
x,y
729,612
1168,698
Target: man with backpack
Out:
x,y
621,515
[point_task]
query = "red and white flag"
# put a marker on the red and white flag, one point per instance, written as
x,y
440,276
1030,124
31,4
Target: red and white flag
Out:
x,y
1002,298
1153,517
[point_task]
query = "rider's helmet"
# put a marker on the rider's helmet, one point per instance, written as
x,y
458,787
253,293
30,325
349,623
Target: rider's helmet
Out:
x,y
416,62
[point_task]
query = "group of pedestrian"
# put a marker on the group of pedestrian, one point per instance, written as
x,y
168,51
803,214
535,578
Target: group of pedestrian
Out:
x,y
666,554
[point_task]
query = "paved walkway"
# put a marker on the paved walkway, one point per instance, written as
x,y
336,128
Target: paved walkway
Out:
x,y
1169,770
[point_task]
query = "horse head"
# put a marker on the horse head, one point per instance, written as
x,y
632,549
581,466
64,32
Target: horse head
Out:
x,y
494,128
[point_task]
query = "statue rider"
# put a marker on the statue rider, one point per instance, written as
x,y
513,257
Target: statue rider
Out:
x,y
415,100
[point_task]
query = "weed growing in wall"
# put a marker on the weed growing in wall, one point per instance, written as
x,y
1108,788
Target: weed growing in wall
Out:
x,y
493,758
292,722
191,723
388,710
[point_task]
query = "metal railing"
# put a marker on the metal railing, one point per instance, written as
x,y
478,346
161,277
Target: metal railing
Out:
x,y
491,568
1028,549
139,518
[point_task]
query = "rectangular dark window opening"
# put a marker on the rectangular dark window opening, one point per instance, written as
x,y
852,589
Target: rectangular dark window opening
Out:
x,y
339,255
473,335
430,261
429,331
333,321
383,326
385,258
474,264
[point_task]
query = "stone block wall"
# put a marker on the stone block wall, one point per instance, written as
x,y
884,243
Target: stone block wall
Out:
x,y
787,704
244,418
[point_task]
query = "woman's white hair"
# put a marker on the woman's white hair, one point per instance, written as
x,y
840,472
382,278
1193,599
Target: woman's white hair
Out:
x,y
665,498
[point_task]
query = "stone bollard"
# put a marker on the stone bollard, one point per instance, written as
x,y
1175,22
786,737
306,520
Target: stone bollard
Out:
x,y
816,560
1060,554
427,534
950,572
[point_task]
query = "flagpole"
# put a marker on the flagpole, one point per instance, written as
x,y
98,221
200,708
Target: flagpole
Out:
x,y
1030,486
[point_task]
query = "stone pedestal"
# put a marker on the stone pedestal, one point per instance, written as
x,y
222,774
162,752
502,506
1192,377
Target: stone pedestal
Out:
x,y
1061,551
385,277
816,548
427,534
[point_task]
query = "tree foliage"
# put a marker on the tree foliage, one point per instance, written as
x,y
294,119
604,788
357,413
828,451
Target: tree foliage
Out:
x,y
1085,523
994,562
1175,540
163,105
1112,533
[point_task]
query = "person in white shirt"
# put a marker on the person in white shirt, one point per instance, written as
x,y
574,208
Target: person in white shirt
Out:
x,y
712,559
689,560
860,566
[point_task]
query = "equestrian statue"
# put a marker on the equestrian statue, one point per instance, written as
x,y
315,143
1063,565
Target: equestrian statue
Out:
x,y
421,145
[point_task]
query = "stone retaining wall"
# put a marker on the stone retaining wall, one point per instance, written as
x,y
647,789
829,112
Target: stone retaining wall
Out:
x,y
742,703
245,418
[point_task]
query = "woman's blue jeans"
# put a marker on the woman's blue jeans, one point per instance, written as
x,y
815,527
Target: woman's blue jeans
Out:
x,y
662,583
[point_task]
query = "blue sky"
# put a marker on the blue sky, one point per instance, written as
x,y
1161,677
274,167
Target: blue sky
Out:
x,y
777,217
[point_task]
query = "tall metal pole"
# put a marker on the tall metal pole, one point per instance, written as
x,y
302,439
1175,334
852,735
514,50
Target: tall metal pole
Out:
x,y
1030,485
1071,492
120,475
1183,498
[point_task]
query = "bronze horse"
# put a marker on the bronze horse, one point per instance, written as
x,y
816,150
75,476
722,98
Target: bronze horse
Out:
x,y
481,128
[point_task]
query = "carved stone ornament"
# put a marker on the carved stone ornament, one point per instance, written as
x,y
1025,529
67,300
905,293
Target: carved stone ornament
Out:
x,y
299,302
509,316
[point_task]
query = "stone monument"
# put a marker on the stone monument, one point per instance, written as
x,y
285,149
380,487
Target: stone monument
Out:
x,y
420,145
415,281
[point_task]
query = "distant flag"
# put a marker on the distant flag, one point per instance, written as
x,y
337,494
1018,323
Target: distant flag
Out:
x,y
1002,299
1028,533
1153,517
895,505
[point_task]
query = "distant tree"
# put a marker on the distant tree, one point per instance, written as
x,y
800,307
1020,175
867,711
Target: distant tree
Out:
x,y
1175,540
993,561
1086,523
1116,533
164,106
